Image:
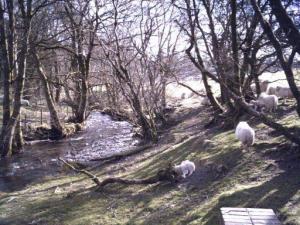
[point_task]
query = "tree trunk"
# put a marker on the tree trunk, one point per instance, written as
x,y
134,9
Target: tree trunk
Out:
x,y
81,112
286,24
18,140
9,130
56,126
148,129
210,95
4,69
163,104
236,84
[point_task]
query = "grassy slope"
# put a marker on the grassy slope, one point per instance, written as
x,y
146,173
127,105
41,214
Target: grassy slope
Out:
x,y
267,175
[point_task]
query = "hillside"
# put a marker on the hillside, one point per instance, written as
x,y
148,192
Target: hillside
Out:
x,y
266,175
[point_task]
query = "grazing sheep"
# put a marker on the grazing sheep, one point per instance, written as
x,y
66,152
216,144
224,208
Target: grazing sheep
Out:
x,y
271,90
255,105
269,102
25,102
245,134
265,101
263,84
186,168
284,92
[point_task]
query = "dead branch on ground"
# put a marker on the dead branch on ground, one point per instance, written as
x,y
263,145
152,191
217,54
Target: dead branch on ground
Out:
x,y
166,174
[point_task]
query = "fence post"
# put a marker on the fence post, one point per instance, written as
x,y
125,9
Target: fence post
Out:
x,y
25,118
41,116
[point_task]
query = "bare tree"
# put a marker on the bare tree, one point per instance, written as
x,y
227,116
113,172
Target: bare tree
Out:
x,y
8,131
5,70
57,128
140,70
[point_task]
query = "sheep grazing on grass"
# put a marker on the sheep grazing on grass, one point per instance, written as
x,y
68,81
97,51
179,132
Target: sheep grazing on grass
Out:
x,y
265,101
263,84
25,102
186,168
245,134
284,92
269,102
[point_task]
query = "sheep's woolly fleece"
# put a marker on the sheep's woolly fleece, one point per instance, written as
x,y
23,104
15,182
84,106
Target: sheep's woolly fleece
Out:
x,y
186,168
245,133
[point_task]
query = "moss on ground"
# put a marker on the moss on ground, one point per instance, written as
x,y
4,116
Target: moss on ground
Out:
x,y
266,175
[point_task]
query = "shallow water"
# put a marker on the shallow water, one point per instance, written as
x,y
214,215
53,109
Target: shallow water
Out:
x,y
102,137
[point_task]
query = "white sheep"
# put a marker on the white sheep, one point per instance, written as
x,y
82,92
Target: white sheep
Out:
x,y
265,101
25,102
186,168
284,92
269,102
245,134
263,84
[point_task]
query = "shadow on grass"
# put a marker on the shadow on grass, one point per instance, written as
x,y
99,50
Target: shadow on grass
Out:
x,y
272,194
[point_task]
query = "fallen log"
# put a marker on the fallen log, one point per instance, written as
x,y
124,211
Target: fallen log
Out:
x,y
90,175
162,175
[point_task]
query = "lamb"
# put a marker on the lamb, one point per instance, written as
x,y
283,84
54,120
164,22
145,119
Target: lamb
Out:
x,y
186,168
284,92
269,102
245,134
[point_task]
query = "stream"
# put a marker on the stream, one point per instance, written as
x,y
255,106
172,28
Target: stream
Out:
x,y
102,137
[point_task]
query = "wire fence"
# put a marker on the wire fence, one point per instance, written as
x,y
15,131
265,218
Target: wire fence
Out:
x,y
38,115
